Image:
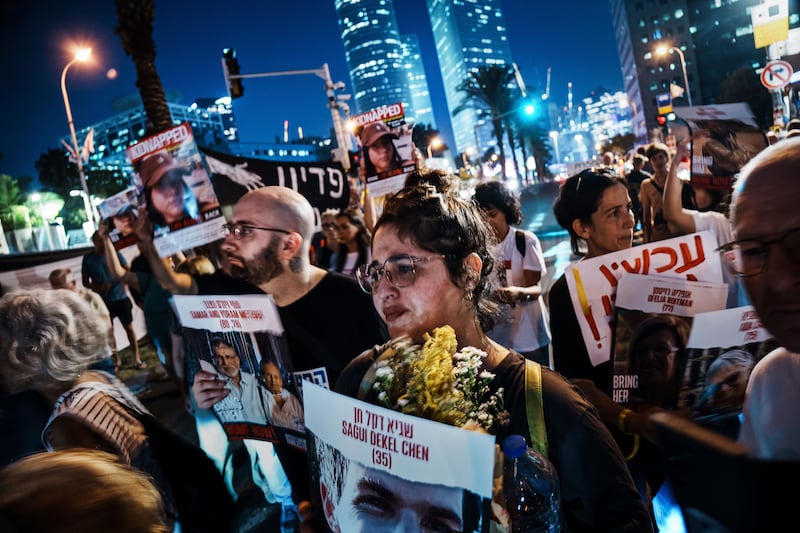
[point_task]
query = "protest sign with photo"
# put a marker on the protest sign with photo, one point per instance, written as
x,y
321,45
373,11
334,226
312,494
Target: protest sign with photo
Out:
x,y
177,191
653,317
119,212
724,137
387,151
723,347
400,464
593,282
241,340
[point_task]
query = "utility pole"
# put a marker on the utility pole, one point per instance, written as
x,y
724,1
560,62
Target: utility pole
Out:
x,y
336,103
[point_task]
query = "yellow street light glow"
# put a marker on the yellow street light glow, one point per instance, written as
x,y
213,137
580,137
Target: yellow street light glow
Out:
x,y
82,54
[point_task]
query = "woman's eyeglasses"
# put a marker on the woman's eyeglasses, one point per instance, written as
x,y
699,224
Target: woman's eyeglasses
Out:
x,y
242,231
400,270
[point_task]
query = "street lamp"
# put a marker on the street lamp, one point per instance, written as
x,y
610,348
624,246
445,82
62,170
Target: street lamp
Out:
x,y
81,55
662,50
434,143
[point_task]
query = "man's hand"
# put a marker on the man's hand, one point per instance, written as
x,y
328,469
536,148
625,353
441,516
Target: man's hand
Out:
x,y
208,389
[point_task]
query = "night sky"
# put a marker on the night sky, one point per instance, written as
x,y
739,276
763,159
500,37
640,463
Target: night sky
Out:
x,y
35,36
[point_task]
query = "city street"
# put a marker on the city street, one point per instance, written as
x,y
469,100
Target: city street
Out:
x,y
161,397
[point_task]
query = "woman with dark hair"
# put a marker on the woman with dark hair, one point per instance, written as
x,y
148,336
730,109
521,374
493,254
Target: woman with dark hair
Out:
x,y
354,241
523,325
434,267
596,210
657,355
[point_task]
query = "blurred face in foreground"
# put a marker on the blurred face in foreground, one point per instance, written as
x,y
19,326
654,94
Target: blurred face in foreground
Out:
x,y
374,501
766,210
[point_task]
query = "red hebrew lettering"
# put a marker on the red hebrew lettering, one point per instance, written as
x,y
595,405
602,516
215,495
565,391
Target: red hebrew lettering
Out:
x,y
607,306
691,277
612,279
673,258
632,269
686,253
590,320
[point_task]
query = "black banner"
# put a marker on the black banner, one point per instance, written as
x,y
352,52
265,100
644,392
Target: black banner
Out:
x,y
323,183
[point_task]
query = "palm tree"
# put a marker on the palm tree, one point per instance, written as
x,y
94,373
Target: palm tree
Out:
x,y
135,30
487,90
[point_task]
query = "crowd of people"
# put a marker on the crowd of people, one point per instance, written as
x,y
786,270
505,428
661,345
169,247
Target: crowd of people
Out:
x,y
347,286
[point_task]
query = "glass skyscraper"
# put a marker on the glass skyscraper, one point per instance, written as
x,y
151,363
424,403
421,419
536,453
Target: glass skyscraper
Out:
x,y
418,82
374,53
468,34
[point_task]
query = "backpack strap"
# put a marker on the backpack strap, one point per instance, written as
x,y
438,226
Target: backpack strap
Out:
x,y
520,238
533,406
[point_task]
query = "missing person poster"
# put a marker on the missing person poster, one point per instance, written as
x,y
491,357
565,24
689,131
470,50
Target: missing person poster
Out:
x,y
723,347
653,317
120,212
370,466
177,190
386,148
593,282
724,137
238,342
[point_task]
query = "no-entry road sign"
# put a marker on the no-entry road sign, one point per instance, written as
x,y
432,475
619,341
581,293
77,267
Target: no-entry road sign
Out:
x,y
776,74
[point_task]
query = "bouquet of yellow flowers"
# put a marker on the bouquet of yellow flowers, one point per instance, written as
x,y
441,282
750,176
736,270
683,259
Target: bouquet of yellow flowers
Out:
x,y
437,382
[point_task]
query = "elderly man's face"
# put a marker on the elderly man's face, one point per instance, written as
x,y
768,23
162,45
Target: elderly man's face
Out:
x,y
227,360
766,210
272,378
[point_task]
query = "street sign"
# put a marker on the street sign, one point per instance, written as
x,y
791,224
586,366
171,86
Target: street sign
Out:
x,y
776,74
664,102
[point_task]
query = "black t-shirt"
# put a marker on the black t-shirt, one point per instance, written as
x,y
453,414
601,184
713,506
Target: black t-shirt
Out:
x,y
597,492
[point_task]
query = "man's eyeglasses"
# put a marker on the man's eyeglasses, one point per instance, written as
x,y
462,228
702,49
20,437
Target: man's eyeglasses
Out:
x,y
329,225
748,257
241,231
400,270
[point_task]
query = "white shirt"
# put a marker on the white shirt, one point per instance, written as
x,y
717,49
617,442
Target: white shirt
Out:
x,y
244,403
290,415
524,327
770,416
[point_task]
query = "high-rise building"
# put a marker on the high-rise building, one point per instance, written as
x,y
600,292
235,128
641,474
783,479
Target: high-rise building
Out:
x,y
468,34
418,82
374,53
715,37
607,115
640,28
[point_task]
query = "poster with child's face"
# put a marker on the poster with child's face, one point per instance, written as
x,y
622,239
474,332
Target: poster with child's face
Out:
x,y
386,147
724,138
177,190
119,212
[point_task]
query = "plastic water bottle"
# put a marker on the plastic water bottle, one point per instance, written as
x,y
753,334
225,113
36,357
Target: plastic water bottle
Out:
x,y
530,488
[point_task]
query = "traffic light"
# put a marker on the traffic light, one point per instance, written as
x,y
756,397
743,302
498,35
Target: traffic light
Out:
x,y
230,68
663,119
